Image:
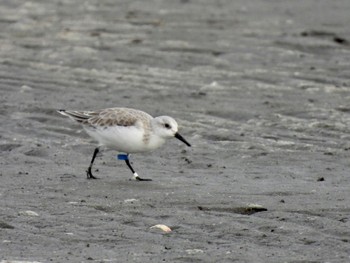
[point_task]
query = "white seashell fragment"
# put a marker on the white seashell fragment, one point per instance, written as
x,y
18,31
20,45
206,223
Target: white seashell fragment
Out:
x,y
162,227
28,213
25,88
255,206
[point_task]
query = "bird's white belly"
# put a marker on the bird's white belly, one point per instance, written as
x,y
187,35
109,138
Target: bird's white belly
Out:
x,y
124,139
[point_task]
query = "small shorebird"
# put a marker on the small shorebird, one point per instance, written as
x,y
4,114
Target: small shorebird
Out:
x,y
125,130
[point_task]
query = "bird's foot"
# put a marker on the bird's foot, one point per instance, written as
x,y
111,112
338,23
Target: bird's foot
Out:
x,y
138,178
143,179
89,174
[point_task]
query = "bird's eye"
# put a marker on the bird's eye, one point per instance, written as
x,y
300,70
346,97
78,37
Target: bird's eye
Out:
x,y
166,125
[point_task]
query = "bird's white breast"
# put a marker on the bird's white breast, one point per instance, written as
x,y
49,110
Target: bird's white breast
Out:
x,y
124,139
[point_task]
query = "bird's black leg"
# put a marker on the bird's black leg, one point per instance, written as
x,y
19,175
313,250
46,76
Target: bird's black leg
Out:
x,y
88,171
136,176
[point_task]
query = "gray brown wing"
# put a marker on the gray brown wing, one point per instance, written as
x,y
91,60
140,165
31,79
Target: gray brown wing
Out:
x,y
79,116
108,117
116,117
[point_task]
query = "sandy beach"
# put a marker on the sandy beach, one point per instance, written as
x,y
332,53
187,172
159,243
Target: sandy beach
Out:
x,y
261,89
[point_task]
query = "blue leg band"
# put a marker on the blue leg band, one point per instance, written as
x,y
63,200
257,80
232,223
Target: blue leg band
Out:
x,y
123,157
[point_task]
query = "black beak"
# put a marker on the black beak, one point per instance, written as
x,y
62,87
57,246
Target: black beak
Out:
x,y
178,136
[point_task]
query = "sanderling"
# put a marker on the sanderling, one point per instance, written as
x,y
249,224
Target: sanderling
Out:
x,y
125,130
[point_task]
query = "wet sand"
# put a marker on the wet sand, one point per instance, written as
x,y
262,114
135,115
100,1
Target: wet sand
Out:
x,y
261,89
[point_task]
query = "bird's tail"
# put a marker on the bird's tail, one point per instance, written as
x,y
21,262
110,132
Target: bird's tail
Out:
x,y
77,116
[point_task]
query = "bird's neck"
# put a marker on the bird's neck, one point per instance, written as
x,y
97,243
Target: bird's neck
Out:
x,y
155,142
